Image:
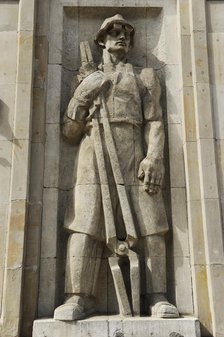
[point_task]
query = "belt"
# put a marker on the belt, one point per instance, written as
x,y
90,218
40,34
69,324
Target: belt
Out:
x,y
112,120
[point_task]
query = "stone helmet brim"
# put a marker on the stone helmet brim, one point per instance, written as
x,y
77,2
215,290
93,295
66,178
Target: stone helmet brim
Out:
x,y
108,23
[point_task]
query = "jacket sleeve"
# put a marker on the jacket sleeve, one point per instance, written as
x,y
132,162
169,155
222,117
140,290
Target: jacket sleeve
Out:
x,y
84,96
152,114
73,126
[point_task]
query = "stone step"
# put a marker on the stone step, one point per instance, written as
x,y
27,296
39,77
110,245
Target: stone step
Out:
x,y
115,326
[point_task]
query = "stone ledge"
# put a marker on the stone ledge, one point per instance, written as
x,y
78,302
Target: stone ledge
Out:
x,y
114,326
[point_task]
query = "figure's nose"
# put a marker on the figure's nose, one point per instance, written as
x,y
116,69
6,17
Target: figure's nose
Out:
x,y
122,35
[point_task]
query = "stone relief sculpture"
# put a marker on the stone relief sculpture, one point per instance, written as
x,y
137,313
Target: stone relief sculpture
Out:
x,y
116,116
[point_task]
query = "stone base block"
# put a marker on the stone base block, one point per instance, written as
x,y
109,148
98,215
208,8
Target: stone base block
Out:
x,y
114,326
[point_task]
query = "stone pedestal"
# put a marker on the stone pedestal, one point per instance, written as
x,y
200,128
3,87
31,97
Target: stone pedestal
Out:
x,y
114,326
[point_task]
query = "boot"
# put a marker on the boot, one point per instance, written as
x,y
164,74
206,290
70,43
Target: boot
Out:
x,y
161,308
71,310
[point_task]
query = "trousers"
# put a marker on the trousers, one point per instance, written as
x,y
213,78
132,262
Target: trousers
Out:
x,y
84,255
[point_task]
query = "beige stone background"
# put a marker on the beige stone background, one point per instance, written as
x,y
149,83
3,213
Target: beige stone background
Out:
x,y
183,40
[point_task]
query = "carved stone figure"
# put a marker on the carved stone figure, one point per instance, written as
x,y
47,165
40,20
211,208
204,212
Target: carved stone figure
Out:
x,y
116,116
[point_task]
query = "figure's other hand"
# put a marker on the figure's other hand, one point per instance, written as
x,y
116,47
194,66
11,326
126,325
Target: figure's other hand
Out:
x,y
151,171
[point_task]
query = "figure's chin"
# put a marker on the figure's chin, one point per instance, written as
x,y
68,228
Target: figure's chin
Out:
x,y
118,50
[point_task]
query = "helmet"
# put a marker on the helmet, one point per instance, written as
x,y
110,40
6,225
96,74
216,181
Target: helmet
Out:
x,y
108,23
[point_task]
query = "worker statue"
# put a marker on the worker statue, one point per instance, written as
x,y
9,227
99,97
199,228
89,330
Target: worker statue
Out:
x,y
116,116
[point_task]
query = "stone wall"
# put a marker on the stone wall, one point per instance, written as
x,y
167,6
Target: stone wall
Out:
x,y
215,29
16,68
183,41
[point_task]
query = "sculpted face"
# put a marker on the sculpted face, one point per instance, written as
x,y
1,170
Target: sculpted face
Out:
x,y
117,40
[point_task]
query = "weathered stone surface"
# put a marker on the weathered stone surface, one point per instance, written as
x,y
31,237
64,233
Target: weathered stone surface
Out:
x,y
196,232
26,22
4,207
38,118
220,157
177,176
112,326
192,176
25,59
42,23
203,103
20,166
33,237
55,33
171,56
202,303
47,286
186,61
41,60
23,106
8,16
3,229
211,212
7,106
214,16
53,94
179,222
37,169
16,69
49,223
173,94
207,168
215,11
52,148
200,73
5,169
197,15
215,48
189,116
183,15
16,235
8,64
182,277
217,273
